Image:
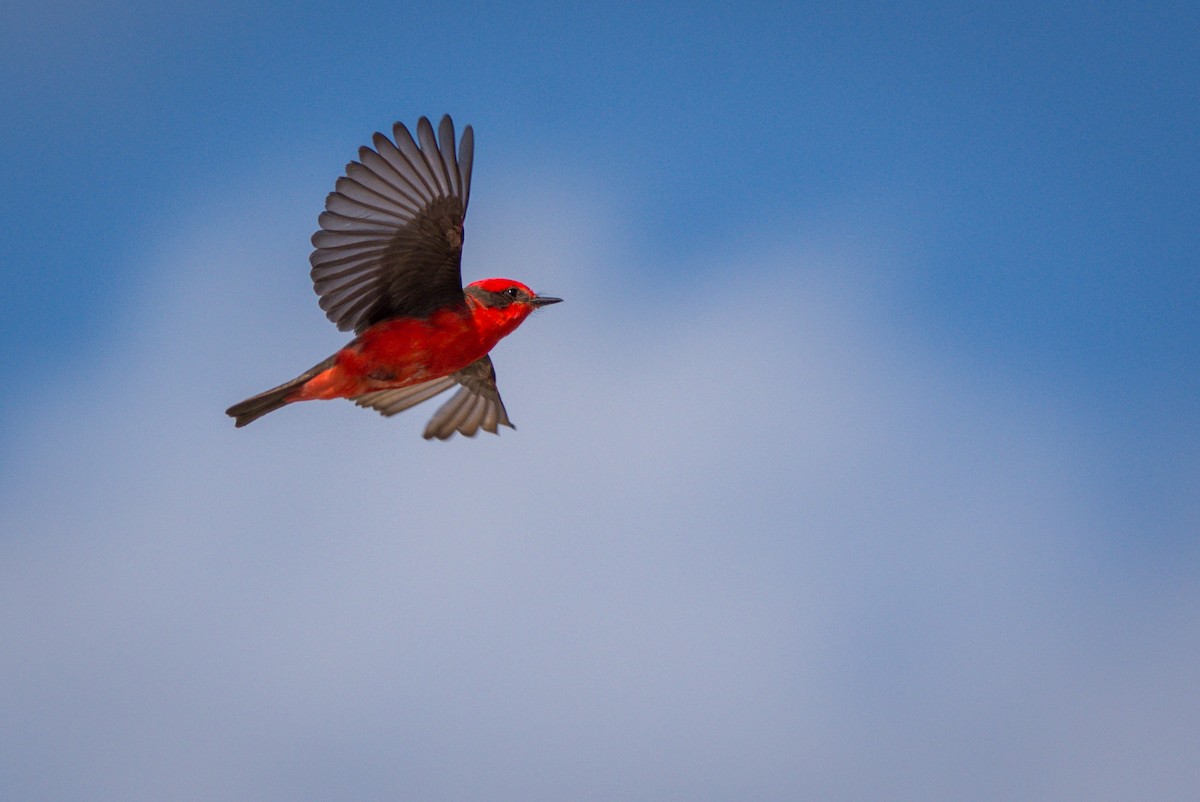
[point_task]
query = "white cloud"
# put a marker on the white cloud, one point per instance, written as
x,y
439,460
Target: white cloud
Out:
x,y
748,542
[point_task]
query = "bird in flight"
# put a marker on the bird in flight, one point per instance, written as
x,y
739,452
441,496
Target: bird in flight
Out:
x,y
387,267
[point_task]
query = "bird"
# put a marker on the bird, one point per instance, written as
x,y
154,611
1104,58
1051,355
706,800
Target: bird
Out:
x,y
386,265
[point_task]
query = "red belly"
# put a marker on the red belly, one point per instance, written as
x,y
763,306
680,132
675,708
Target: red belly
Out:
x,y
399,353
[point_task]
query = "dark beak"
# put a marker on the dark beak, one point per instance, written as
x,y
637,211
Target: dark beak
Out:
x,y
543,300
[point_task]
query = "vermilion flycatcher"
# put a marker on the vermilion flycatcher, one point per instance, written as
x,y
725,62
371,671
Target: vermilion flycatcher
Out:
x,y
386,266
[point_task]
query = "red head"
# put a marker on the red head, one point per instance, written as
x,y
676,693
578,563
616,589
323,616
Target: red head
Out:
x,y
504,303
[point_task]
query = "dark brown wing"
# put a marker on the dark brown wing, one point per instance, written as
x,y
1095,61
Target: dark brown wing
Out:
x,y
475,406
393,402
392,230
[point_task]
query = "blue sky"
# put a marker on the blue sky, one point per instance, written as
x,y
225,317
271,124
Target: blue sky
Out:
x,y
861,462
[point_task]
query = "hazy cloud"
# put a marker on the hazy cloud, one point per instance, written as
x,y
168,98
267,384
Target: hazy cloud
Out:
x,y
749,541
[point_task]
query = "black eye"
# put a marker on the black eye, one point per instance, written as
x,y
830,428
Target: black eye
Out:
x,y
512,292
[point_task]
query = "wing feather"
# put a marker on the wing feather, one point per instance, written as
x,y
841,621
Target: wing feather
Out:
x,y
446,151
466,161
411,153
390,238
385,171
391,402
338,203
476,405
431,155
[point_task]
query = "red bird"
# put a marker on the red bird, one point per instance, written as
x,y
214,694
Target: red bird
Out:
x,y
387,266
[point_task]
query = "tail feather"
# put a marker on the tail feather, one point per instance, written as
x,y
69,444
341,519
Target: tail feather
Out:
x,y
256,406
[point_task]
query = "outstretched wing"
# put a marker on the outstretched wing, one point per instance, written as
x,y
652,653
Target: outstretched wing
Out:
x,y
391,234
475,406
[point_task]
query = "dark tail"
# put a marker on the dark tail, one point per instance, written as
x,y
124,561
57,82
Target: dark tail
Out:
x,y
255,407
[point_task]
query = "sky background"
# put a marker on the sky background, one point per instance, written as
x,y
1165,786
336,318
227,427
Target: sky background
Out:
x,y
862,461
